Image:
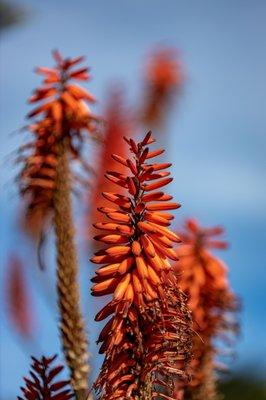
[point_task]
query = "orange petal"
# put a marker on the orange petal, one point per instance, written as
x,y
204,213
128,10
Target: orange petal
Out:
x,y
162,206
157,185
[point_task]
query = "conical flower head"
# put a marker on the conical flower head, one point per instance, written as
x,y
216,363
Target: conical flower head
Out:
x,y
63,104
62,115
203,277
139,241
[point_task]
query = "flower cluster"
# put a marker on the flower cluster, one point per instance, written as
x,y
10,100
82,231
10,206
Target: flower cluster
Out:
x,y
163,79
158,295
42,385
203,277
142,340
63,115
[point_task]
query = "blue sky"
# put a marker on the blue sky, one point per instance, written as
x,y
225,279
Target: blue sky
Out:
x,y
217,133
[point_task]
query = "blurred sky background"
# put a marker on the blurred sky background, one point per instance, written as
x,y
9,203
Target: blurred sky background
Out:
x,y
217,134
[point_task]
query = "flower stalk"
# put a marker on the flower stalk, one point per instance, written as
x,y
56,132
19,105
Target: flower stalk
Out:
x,y
72,327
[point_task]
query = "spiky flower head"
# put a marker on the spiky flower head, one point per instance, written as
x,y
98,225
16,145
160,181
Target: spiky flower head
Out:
x,y
203,277
138,238
42,384
137,274
62,115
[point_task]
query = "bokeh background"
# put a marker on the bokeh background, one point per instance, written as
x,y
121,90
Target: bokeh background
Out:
x,y
216,140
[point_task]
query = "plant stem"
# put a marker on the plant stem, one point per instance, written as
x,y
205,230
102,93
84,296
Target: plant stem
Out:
x,y
208,388
72,329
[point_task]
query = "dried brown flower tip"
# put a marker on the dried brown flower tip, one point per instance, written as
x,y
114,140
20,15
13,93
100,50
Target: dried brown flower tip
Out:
x,y
142,339
42,384
63,114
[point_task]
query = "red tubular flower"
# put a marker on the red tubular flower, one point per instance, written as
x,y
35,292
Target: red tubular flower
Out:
x,y
137,274
19,305
203,277
63,114
42,385
163,79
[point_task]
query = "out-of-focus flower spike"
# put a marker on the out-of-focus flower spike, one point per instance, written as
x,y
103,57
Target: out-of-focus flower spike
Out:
x,y
117,123
18,300
163,79
203,277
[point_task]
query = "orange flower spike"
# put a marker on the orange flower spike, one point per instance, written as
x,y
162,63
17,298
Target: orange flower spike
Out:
x,y
203,277
207,271
164,77
60,92
136,217
61,115
135,272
